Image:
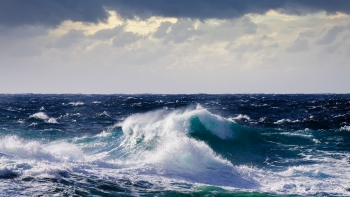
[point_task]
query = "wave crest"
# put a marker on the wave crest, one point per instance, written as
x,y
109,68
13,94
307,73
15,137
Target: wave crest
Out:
x,y
180,122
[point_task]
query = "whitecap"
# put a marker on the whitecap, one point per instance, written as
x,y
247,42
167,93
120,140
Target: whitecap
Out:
x,y
152,124
33,124
263,119
52,120
240,117
104,113
285,120
76,103
39,115
345,128
20,121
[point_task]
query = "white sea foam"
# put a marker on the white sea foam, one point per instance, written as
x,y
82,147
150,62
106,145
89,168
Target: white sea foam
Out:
x,y
345,128
282,121
306,136
328,177
43,116
39,115
52,120
33,124
262,119
76,103
104,113
240,117
21,121
32,158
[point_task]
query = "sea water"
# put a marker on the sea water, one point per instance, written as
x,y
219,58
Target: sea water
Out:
x,y
174,145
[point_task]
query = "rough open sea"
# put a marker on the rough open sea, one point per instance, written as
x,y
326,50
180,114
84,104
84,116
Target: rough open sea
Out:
x,y
174,145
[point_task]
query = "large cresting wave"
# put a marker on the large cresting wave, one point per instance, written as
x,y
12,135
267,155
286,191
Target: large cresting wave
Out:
x,y
170,142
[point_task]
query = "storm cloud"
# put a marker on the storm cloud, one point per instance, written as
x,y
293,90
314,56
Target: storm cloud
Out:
x,y
52,13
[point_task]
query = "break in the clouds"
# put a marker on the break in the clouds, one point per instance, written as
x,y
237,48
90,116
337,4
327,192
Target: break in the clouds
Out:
x,y
174,46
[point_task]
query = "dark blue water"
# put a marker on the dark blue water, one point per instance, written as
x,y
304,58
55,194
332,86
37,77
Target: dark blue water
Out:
x,y
174,145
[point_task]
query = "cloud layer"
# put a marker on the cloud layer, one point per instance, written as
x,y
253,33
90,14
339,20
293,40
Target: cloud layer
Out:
x,y
52,13
168,46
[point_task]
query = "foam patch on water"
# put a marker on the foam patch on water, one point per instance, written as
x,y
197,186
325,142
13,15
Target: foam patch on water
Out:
x,y
282,121
43,116
15,146
318,179
52,120
39,115
240,117
76,103
345,128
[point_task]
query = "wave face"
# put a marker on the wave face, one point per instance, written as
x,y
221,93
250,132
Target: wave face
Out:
x,y
174,145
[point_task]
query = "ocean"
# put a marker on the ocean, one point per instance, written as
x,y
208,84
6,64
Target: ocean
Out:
x,y
175,145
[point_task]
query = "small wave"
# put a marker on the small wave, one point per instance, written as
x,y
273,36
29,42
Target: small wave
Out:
x,y
104,113
76,103
262,119
345,128
43,116
21,121
57,151
39,115
282,121
240,117
52,121
6,173
305,136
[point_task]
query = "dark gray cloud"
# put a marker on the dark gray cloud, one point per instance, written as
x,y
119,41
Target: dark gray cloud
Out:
x,y
181,31
108,33
299,45
53,12
125,38
69,39
50,13
222,9
162,30
331,35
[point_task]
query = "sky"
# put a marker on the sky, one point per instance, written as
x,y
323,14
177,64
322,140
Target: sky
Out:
x,y
174,46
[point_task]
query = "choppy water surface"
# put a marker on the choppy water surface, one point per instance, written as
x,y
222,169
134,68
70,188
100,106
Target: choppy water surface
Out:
x,y
175,145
